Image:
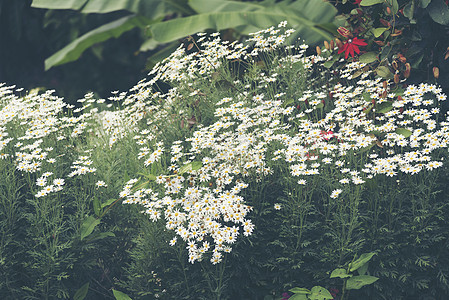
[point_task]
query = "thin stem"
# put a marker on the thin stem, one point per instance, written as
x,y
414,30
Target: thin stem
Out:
x,y
190,38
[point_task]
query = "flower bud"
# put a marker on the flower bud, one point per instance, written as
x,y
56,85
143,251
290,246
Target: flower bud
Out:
x,y
388,10
318,50
396,78
326,45
332,45
396,32
436,72
407,70
380,43
339,43
344,32
394,64
385,23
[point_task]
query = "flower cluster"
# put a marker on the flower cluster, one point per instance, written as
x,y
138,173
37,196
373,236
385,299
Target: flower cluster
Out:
x,y
42,126
278,114
350,131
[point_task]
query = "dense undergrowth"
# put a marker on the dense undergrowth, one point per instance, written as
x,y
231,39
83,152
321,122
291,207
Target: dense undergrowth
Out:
x,y
236,171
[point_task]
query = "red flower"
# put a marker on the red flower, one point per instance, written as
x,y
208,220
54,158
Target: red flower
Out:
x,y
357,2
352,45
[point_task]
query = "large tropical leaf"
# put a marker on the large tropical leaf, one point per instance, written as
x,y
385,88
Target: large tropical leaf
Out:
x,y
151,9
202,7
114,29
304,16
59,4
209,6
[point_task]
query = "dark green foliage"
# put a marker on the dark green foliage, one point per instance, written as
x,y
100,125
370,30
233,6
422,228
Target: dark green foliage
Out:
x,y
29,35
46,253
11,231
412,32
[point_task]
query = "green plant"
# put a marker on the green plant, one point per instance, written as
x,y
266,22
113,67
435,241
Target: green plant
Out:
x,y
312,19
350,282
247,161
404,38
316,293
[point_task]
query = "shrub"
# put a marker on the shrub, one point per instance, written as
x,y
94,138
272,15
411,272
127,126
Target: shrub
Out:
x,y
251,162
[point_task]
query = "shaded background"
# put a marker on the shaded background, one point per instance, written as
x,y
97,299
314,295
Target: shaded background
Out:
x,y
29,35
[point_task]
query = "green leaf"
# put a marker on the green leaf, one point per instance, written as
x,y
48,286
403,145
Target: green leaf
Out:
x,y
88,226
301,291
340,273
356,282
304,21
185,168
298,297
404,132
107,203
416,61
151,9
357,74
120,295
394,6
81,292
382,108
329,27
409,11
364,258
398,91
370,2
217,6
383,71
148,176
328,64
367,97
439,12
363,269
378,31
288,102
368,57
208,6
196,165
424,3
58,4
99,236
149,44
320,293
74,50
193,166
97,206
